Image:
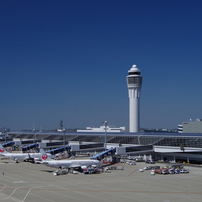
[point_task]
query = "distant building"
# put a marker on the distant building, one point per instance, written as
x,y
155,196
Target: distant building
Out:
x,y
60,129
190,127
102,129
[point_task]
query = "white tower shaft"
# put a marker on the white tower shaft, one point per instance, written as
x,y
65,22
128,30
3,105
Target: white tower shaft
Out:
x,y
134,81
134,110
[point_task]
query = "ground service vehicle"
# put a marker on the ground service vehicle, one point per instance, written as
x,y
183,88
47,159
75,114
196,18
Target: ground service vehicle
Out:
x,y
164,171
184,170
132,163
177,171
171,171
158,171
141,169
146,168
60,172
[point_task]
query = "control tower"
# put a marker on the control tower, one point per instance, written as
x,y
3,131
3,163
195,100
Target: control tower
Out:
x,y
134,82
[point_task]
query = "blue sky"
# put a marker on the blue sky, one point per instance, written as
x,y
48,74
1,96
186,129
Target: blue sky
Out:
x,y
68,60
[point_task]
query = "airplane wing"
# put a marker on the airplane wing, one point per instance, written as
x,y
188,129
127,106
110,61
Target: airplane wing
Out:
x,y
78,167
27,158
82,166
75,166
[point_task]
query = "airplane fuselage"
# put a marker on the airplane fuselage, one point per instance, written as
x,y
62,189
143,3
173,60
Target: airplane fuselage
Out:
x,y
71,163
22,156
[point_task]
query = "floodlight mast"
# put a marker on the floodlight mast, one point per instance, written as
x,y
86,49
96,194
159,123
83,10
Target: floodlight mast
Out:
x,y
105,124
63,137
34,135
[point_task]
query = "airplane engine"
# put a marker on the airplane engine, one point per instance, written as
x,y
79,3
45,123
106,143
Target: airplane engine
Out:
x,y
61,167
37,161
83,167
15,160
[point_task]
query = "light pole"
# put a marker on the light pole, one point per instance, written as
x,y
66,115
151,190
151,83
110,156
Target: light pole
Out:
x,y
64,137
5,135
34,135
105,123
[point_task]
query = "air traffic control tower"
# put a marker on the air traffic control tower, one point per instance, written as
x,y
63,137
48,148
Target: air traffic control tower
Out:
x,y
134,82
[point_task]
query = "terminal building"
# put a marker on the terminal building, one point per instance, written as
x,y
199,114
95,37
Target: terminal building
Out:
x,y
191,126
176,147
102,129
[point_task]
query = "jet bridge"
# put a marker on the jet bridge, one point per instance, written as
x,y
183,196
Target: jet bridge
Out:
x,y
53,145
87,147
59,150
104,154
139,149
8,144
31,146
26,142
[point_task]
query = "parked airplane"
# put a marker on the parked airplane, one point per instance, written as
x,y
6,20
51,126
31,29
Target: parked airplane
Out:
x,y
21,156
68,163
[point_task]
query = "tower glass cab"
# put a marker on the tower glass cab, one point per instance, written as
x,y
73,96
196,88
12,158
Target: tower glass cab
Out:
x,y
134,82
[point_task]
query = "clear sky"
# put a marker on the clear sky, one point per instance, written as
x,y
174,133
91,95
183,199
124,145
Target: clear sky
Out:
x,y
68,60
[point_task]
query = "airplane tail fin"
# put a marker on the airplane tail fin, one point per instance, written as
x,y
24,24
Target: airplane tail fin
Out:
x,y
44,156
2,150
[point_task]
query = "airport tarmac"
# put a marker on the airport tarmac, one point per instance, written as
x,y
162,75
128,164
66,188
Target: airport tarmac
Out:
x,y
33,182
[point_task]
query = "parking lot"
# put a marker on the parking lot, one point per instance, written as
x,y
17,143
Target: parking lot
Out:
x,y
31,182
